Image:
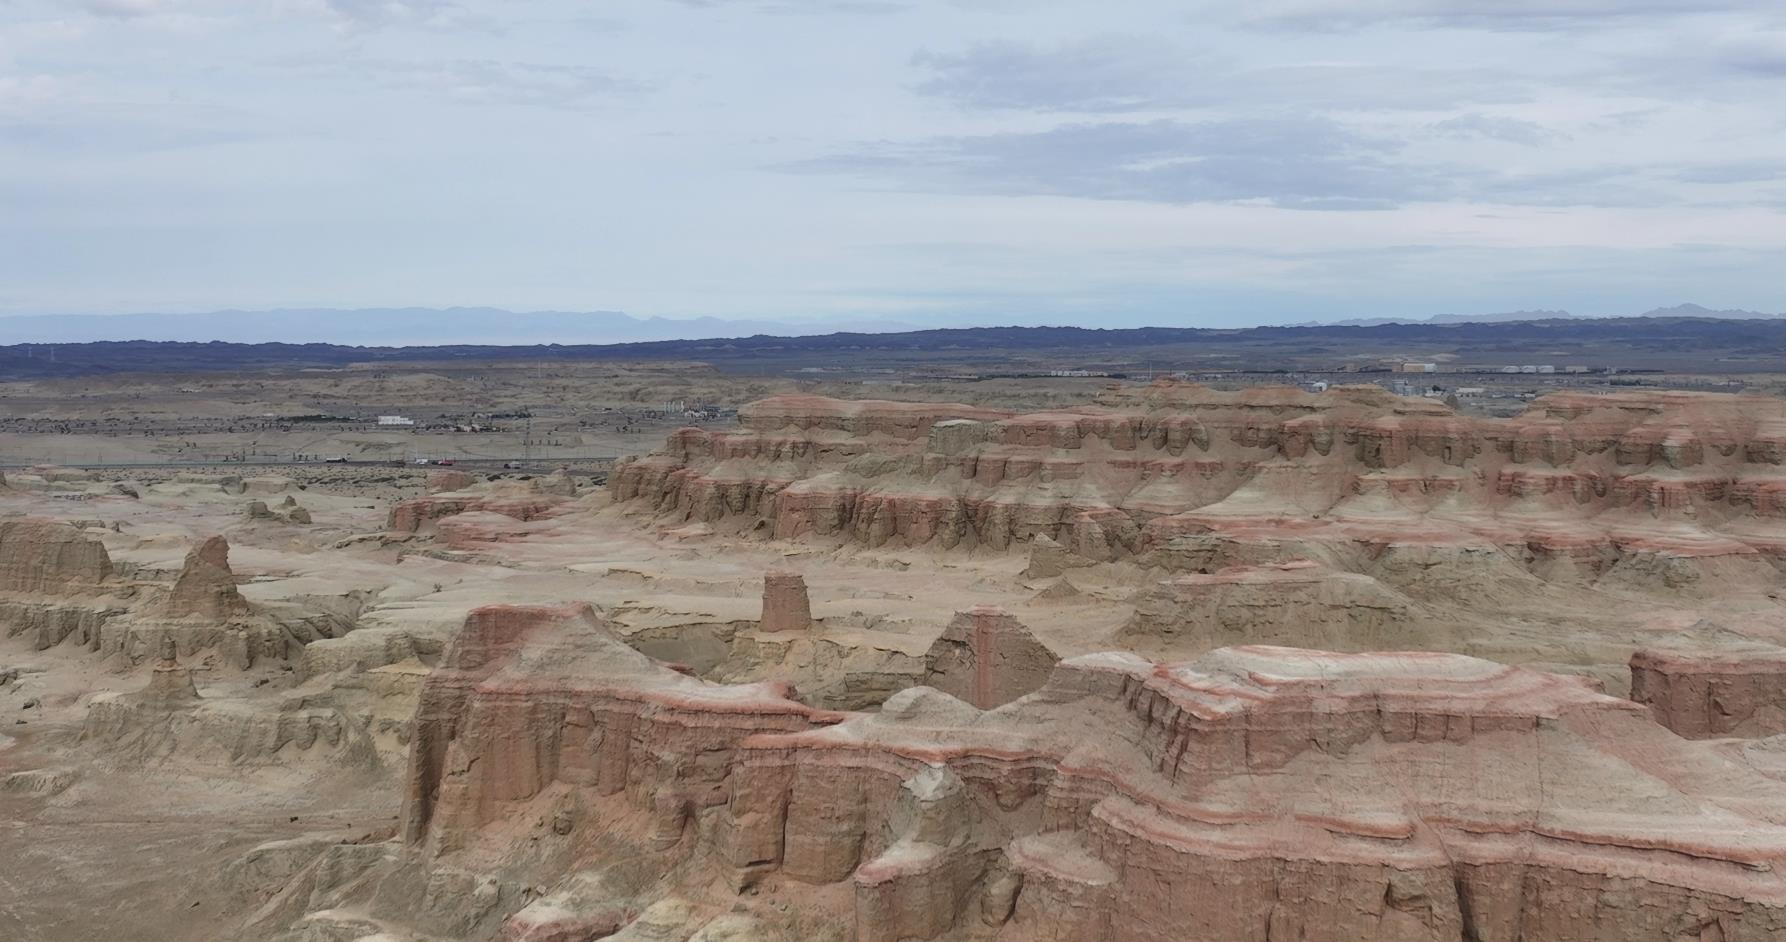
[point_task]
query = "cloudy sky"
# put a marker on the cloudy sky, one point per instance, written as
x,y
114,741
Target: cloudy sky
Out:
x,y
1199,162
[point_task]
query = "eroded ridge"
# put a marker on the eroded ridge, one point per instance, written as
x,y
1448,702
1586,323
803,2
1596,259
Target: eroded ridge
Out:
x,y
1642,487
1256,792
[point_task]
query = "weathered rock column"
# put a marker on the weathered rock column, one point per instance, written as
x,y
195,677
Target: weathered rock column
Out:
x,y
785,603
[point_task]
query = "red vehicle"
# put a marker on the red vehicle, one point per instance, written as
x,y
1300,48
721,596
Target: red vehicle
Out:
x,y
445,462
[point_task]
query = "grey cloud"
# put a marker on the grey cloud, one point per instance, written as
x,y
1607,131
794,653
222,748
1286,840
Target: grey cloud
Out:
x,y
1300,162
805,6
1504,14
1112,74
487,81
1494,127
123,9
1740,171
1297,162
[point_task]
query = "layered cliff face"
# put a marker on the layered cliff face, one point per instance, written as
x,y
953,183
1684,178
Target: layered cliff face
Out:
x,y
46,557
1682,491
56,583
1729,687
1255,793
453,493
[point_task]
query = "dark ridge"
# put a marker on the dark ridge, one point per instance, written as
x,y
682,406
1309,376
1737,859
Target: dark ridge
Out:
x,y
1673,335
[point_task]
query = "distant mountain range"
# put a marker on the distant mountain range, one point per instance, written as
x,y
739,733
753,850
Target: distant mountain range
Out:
x,y
484,326
401,327
1508,317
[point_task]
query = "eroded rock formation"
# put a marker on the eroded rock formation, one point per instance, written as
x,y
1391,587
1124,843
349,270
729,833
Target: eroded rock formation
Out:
x,y
46,557
988,658
206,588
1713,689
1324,797
786,606
1669,491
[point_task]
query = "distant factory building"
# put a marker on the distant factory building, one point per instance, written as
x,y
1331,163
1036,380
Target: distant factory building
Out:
x,y
395,420
1419,367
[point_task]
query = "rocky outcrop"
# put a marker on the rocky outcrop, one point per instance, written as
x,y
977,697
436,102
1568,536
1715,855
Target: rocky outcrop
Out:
x,y
519,500
1731,688
44,557
206,588
1325,797
440,482
785,603
1294,603
286,511
988,658
1650,491
527,697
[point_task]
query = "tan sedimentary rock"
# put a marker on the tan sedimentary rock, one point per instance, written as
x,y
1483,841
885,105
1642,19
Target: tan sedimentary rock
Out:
x,y
520,500
1292,603
527,697
1715,689
1651,491
206,588
786,606
986,657
439,482
170,683
49,558
1324,797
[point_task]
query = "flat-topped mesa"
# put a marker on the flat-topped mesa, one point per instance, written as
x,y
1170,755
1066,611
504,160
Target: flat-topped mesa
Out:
x,y
1315,793
206,588
786,606
1713,690
988,658
1637,474
47,557
1334,797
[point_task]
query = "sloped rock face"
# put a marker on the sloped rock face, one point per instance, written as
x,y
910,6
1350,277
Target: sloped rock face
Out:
x,y
987,657
519,500
1707,692
206,588
1325,797
1292,603
44,557
786,606
56,584
1680,491
440,482
529,697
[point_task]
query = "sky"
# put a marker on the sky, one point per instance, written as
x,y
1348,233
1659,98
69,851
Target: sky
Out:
x,y
1195,162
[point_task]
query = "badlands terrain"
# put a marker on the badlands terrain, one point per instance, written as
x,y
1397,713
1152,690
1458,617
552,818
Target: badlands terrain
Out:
x,y
1132,662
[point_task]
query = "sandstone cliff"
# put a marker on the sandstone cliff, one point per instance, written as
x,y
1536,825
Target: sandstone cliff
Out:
x,y
1682,492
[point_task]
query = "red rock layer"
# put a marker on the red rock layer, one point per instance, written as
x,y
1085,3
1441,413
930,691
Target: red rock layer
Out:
x,y
1714,691
988,658
1257,793
1585,480
519,500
